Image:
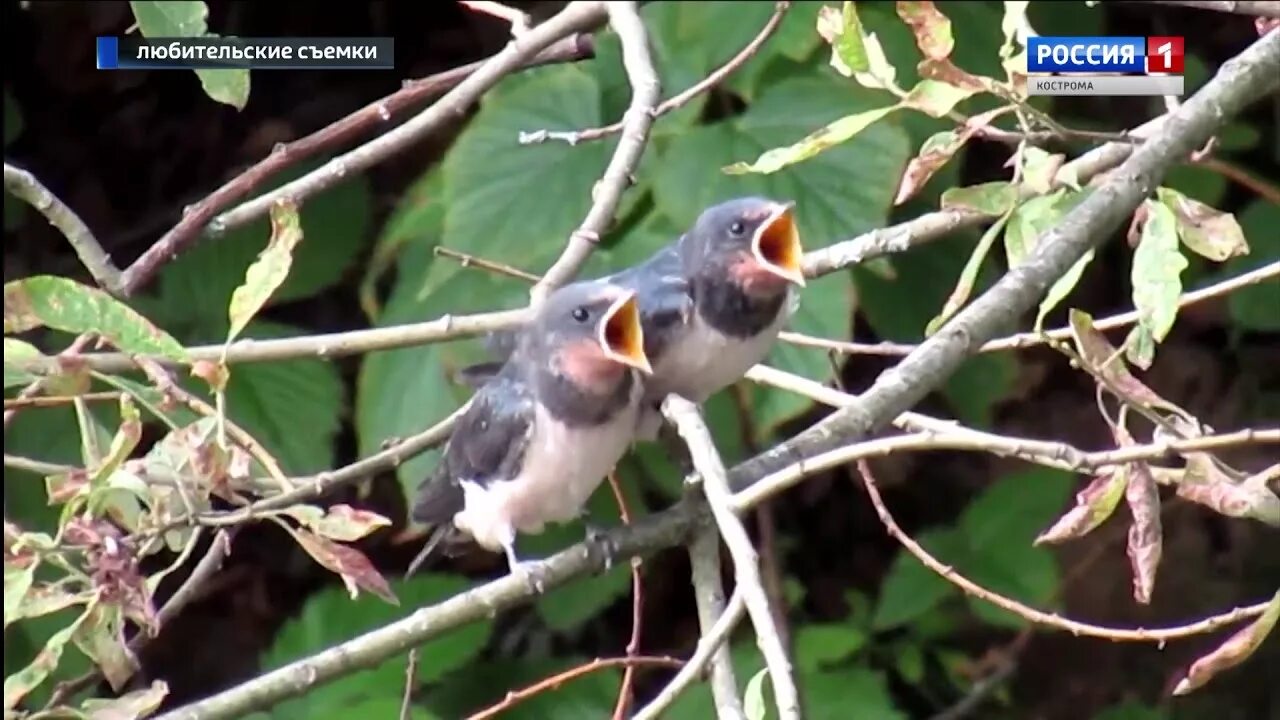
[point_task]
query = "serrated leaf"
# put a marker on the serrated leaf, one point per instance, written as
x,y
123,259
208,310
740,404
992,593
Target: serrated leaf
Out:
x,y
843,31
1094,504
828,136
1234,651
753,703
350,564
187,18
66,305
16,353
269,270
1157,274
968,276
1208,232
820,644
21,683
910,589
340,522
130,706
993,198
931,28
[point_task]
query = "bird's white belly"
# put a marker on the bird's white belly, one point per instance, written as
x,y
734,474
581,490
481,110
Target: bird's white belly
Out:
x,y
564,467
704,361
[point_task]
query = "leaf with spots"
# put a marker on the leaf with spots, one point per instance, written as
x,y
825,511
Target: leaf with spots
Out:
x,y
64,304
269,271
350,564
1094,504
21,683
188,18
1146,539
993,199
1234,651
1204,483
1208,232
340,522
931,28
1157,282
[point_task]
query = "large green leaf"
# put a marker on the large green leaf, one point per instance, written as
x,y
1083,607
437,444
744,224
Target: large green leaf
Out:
x,y
197,286
838,194
910,589
187,18
1254,307
332,617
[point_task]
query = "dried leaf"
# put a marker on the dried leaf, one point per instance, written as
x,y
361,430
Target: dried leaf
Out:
x,y
1146,539
215,374
843,31
66,305
1208,232
22,682
1039,168
968,276
945,71
350,564
1203,483
1094,504
269,270
1157,276
130,706
17,583
931,28
815,142
1234,651
934,153
1102,357
342,522
16,354
935,97
101,637
122,443
993,198
43,599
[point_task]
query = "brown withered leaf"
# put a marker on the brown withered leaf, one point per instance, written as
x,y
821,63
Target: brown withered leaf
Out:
x,y
1096,350
1209,232
1234,651
214,373
947,72
101,637
341,522
1094,504
1204,483
931,28
350,564
1146,538
130,706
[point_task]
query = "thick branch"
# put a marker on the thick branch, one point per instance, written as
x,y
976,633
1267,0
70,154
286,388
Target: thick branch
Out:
x,y
25,186
689,423
576,17
645,92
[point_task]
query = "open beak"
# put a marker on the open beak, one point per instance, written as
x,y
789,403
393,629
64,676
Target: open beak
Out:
x,y
776,245
622,335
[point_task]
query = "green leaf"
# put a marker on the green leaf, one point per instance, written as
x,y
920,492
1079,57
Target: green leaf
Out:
x,y
993,198
1033,218
496,190
187,18
20,684
753,702
968,276
937,98
852,693
1254,307
16,353
339,522
66,305
271,268
17,584
1062,287
843,30
136,704
1208,232
813,144
1156,276
910,589
821,644
331,617
196,288
293,407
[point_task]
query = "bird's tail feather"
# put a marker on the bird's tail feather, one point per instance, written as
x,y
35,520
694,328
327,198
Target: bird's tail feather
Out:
x,y
438,534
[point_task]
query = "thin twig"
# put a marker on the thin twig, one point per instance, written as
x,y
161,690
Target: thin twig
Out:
x,y
410,675
1265,190
674,102
689,423
709,647
577,17
708,589
1270,271
518,20
37,467
646,89
26,186
466,260
56,400
555,681
81,342
637,609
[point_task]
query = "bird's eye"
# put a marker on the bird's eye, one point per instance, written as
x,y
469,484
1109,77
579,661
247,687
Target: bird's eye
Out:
x,y
737,228
580,314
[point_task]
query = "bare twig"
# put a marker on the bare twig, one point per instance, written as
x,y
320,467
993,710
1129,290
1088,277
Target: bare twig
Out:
x,y
559,679
410,675
1270,271
674,102
1157,635
1258,8
637,609
645,91
577,17
709,647
704,561
37,387
689,423
1265,190
25,186
466,260
56,400
519,21
37,467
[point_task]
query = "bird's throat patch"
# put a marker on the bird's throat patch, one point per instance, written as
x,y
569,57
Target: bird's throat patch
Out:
x,y
585,366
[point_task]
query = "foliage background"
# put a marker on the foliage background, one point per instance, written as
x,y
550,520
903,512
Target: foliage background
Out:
x,y
870,627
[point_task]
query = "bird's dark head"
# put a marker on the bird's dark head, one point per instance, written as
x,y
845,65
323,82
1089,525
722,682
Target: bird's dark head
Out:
x,y
590,333
753,241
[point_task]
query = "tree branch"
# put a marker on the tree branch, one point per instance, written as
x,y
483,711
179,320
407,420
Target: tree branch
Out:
x,y
674,102
25,186
1036,616
38,386
516,696
704,562
645,92
689,423
1029,339
521,51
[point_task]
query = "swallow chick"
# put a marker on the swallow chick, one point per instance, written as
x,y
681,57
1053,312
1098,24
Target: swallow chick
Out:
x,y
542,433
